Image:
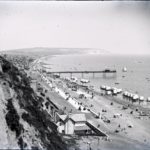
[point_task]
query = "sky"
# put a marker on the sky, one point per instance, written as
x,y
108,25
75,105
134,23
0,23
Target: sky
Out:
x,y
117,27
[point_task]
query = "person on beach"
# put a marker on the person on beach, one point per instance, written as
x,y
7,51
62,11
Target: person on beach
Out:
x,y
92,95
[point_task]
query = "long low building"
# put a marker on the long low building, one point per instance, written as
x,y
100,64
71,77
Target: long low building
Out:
x,y
77,124
72,124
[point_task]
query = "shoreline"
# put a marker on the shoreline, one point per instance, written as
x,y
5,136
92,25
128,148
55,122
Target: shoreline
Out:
x,y
96,90
124,82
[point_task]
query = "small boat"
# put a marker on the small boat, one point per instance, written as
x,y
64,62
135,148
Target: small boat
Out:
x,y
116,82
124,69
107,70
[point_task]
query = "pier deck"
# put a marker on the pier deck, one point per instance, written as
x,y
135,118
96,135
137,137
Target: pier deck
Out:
x,y
72,72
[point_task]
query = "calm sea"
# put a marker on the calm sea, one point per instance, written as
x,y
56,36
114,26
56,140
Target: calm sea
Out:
x,y
136,79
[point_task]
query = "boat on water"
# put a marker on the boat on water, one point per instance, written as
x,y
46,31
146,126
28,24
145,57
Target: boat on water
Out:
x,y
107,70
117,83
124,69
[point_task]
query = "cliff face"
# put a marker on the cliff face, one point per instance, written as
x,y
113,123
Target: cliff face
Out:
x,y
24,124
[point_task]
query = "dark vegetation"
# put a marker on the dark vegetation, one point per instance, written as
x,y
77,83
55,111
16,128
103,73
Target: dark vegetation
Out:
x,y
29,101
12,119
21,143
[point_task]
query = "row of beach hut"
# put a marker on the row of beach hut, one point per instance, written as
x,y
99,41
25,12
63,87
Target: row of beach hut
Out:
x,y
135,97
128,95
110,90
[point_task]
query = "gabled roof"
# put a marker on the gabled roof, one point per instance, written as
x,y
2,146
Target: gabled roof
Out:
x,y
63,117
73,117
78,117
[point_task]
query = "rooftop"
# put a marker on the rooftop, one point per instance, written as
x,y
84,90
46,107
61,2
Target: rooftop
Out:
x,y
81,128
74,117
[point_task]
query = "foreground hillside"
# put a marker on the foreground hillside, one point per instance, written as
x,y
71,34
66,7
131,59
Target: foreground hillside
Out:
x,y
24,124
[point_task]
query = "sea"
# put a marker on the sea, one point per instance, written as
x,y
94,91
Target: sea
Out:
x,y
135,80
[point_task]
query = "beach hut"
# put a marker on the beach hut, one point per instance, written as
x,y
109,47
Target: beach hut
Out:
x,y
148,99
130,96
125,94
114,92
108,92
119,91
141,98
135,97
108,88
103,87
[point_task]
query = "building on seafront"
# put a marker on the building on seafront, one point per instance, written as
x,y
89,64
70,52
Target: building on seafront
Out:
x,y
73,124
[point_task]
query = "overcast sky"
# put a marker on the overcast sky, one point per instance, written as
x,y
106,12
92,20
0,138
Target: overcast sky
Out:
x,y
118,27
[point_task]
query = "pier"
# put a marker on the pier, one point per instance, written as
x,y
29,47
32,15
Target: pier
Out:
x,y
104,72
